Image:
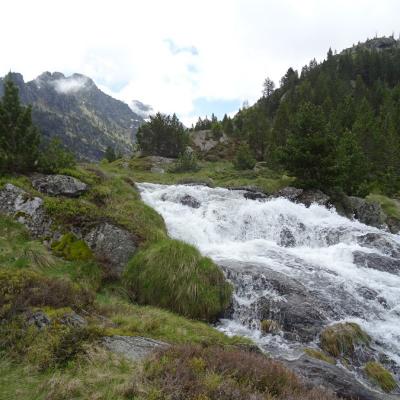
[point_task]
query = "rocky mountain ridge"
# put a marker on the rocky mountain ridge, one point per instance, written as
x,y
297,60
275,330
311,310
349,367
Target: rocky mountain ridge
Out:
x,y
75,110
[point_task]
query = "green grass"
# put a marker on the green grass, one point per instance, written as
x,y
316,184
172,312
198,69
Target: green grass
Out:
x,y
380,376
391,207
173,275
340,340
319,355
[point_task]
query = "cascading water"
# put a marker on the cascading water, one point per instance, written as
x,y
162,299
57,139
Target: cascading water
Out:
x,y
310,266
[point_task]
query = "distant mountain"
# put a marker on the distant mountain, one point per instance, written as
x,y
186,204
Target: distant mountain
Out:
x,y
74,109
144,110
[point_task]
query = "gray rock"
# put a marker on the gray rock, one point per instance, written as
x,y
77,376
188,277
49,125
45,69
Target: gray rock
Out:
x,y
157,170
111,244
73,319
334,378
369,213
309,197
26,209
133,347
190,201
287,238
59,185
255,196
393,224
290,193
38,318
381,242
377,261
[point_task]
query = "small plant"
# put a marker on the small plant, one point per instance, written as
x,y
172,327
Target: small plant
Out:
x,y
339,340
319,355
244,159
269,326
55,157
380,375
72,248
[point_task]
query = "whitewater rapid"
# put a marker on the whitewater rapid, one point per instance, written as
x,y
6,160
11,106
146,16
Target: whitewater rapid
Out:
x,y
225,226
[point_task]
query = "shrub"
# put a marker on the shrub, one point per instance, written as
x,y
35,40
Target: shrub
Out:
x,y
54,157
22,289
173,275
380,375
341,339
244,159
215,373
187,161
72,249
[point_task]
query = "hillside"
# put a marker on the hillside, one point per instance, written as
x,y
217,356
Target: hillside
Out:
x,y
75,110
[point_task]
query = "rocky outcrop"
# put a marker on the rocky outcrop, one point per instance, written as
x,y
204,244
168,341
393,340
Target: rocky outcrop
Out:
x,y
335,378
314,196
112,245
59,185
255,196
28,210
377,261
134,348
290,193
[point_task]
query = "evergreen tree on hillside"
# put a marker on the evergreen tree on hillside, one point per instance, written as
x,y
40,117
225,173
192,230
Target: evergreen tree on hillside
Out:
x,y
19,138
163,135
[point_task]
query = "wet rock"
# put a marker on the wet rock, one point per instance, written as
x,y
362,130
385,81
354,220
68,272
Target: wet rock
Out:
x,y
377,261
334,378
309,197
393,224
381,242
26,209
38,318
369,213
255,196
133,348
59,185
190,201
278,297
112,245
287,238
290,193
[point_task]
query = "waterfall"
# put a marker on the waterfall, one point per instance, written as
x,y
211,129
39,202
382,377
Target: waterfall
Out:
x,y
310,266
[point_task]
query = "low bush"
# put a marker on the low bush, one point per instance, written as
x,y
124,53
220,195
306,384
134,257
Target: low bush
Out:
x,y
244,159
173,275
340,340
377,373
214,373
187,161
24,288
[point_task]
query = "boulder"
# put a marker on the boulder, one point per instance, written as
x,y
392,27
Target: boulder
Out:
x,y
38,318
335,378
393,224
377,261
369,213
157,170
287,238
255,196
309,197
190,201
26,209
112,245
133,347
59,185
290,193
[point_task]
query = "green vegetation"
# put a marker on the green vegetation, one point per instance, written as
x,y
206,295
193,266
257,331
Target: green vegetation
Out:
x,y
70,248
244,159
214,373
269,326
391,207
163,136
319,355
187,161
380,375
173,275
340,340
54,157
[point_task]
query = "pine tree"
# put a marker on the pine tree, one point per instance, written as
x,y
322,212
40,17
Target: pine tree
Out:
x,y
19,138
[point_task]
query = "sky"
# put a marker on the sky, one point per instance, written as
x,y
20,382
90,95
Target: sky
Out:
x,y
184,56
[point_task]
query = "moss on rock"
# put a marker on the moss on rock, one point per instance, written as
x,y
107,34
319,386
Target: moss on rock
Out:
x,y
340,340
377,373
72,248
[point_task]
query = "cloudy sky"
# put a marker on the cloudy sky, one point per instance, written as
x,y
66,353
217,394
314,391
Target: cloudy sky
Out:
x,y
184,56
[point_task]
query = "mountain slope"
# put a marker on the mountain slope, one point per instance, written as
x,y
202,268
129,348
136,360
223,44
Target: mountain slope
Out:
x,y
75,110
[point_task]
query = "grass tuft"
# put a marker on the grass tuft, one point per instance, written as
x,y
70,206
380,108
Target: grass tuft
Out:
x,y
380,375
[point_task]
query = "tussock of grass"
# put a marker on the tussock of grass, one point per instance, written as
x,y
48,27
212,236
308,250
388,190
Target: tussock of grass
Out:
x,y
72,249
173,275
380,375
339,340
319,355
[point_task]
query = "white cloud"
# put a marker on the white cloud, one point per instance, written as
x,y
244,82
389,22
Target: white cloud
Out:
x,y
230,46
70,85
